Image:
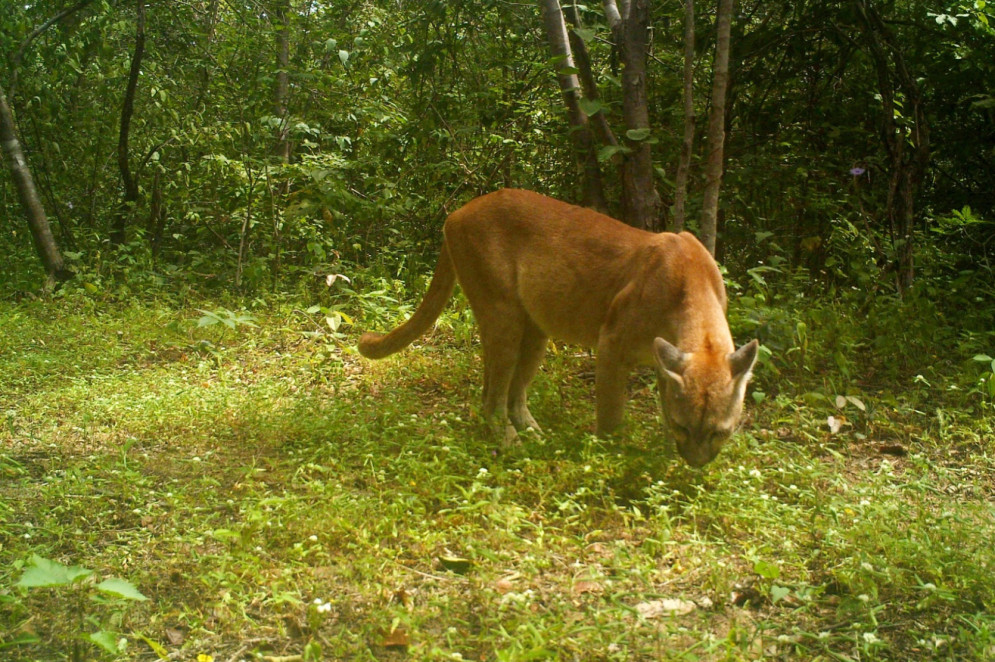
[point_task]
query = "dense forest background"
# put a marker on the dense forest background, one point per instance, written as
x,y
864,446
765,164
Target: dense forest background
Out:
x,y
265,141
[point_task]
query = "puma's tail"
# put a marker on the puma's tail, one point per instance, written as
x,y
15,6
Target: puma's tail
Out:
x,y
378,345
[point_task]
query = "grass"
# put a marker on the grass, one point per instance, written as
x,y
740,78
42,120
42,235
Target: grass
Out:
x,y
274,495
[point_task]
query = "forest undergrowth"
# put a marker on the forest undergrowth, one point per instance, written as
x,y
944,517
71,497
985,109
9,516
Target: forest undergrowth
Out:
x,y
272,495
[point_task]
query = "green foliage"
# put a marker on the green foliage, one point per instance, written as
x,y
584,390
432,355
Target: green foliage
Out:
x,y
78,589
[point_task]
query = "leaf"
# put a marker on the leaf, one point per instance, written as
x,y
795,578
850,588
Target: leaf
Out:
x,y
23,639
398,638
44,572
583,586
120,588
608,151
665,606
590,106
856,402
344,57
586,34
105,640
455,564
766,570
156,647
778,593
637,134
983,358
840,402
331,278
333,322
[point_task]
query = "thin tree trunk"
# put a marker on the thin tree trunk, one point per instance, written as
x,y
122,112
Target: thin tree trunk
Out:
x,y
34,212
156,223
908,166
582,60
120,227
687,146
205,72
281,16
592,193
716,127
641,203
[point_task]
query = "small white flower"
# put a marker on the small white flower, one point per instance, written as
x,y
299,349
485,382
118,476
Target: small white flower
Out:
x,y
863,597
755,473
313,538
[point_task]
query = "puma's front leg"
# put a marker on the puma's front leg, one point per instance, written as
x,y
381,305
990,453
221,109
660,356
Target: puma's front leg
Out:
x,y
611,376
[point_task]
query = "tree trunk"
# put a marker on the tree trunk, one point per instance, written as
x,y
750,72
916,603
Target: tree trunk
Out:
x,y
41,231
281,16
641,203
716,127
582,60
119,229
592,193
907,144
156,224
687,146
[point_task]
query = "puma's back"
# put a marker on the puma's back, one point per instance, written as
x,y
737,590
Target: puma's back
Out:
x,y
535,268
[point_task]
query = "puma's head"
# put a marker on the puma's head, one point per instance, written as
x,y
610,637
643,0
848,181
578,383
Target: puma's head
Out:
x,y
702,396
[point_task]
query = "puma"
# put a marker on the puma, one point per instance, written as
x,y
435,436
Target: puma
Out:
x,y
534,268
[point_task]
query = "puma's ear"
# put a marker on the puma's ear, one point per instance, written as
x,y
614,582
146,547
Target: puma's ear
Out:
x,y
741,361
670,360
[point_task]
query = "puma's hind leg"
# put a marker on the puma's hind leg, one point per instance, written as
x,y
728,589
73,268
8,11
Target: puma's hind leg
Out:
x,y
530,354
500,336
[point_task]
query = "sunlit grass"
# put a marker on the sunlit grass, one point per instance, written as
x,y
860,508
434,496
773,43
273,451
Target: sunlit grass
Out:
x,y
274,494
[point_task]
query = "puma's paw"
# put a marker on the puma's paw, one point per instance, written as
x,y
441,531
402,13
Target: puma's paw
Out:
x,y
510,436
524,421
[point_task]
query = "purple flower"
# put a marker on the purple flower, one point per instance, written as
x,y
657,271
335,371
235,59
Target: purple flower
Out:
x,y
857,172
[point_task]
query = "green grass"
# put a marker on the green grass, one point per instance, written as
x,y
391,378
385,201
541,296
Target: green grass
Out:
x,y
238,477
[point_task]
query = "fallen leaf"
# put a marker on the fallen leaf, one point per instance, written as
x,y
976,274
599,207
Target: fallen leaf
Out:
x,y
835,424
506,584
174,636
583,587
397,639
455,564
778,593
665,606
